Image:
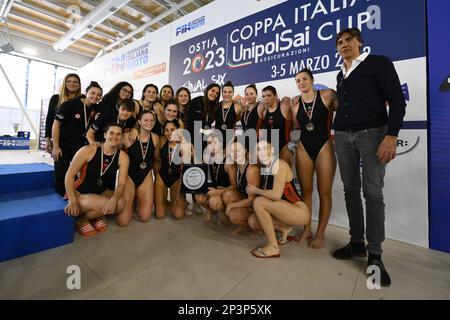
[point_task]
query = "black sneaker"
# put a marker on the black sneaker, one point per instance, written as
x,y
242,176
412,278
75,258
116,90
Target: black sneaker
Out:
x,y
385,279
351,250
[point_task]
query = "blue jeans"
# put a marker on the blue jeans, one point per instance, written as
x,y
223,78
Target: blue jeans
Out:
x,y
355,149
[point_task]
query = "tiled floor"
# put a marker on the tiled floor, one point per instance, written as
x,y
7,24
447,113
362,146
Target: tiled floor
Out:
x,y
168,259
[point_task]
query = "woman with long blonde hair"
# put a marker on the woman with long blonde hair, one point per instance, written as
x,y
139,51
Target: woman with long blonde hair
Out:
x,y
70,89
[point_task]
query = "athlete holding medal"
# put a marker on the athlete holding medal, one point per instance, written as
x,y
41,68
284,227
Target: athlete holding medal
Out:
x,y
143,152
313,113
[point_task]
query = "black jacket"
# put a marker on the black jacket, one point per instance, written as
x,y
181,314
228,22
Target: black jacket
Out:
x,y
363,96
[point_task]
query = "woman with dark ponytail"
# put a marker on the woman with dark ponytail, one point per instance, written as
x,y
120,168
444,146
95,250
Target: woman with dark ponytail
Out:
x,y
149,101
203,109
252,115
229,111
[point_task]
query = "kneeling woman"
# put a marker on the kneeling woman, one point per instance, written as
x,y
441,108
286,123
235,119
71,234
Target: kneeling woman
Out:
x,y
238,203
278,205
175,150
95,194
222,177
140,185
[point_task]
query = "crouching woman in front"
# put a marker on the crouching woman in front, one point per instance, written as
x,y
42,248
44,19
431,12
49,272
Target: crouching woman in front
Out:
x,y
95,193
278,205
174,151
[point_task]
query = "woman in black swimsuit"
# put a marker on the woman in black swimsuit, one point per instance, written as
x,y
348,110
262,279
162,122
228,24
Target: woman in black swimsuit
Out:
x,y
313,112
171,113
166,94
174,151
122,116
278,204
149,97
239,205
277,116
149,101
142,153
202,111
222,177
252,115
229,111
96,193
183,97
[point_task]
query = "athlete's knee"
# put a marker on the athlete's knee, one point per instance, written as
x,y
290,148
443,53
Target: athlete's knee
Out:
x,y
145,214
236,217
123,220
120,206
253,222
178,213
228,197
216,203
259,203
160,212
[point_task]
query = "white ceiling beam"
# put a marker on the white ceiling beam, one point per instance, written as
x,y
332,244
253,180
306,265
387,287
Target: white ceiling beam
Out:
x,y
116,15
163,4
5,6
102,12
65,6
55,16
198,3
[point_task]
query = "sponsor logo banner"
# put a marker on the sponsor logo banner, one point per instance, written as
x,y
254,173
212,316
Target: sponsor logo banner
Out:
x,y
150,71
278,42
128,61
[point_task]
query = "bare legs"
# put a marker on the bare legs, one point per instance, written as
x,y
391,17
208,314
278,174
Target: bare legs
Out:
x,y
201,199
212,204
144,197
177,200
286,155
91,206
325,168
285,213
237,216
305,172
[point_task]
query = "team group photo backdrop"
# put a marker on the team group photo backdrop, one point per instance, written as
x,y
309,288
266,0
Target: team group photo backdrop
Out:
x,y
268,42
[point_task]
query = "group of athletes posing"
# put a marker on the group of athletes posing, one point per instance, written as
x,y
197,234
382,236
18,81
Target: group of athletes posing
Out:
x,y
116,155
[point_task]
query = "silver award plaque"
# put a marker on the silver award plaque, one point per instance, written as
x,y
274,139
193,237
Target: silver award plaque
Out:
x,y
194,178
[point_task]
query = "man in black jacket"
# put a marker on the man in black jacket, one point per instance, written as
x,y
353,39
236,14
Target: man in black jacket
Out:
x,y
366,133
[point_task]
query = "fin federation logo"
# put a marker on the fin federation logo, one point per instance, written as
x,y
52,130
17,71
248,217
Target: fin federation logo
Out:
x,y
194,24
